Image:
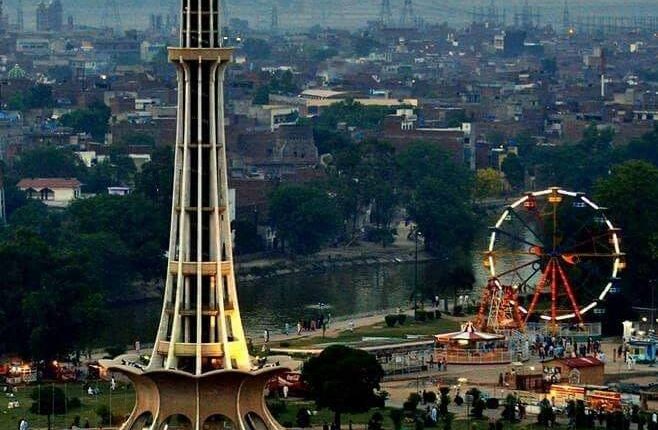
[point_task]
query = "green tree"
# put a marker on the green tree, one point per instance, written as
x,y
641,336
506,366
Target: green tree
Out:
x,y
344,380
305,217
49,162
39,96
256,49
439,196
631,195
514,171
156,178
489,183
138,139
93,120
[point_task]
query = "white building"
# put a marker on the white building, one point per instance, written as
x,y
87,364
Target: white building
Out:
x,y
54,192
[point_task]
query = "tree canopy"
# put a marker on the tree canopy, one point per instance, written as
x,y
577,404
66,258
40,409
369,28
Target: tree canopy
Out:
x,y
305,217
344,380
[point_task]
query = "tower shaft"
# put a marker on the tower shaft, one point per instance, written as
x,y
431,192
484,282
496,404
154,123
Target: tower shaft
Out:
x,y
200,328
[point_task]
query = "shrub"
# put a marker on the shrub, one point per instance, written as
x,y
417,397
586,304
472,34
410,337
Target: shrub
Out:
x,y
115,350
376,421
458,311
429,315
493,403
391,320
402,318
429,397
412,402
74,403
421,315
277,406
103,411
397,416
303,418
437,314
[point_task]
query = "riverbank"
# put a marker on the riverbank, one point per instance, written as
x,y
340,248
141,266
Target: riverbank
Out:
x,y
402,250
253,267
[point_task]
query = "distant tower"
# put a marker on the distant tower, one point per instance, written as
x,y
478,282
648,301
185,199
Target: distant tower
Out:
x,y
385,14
274,25
566,17
55,16
407,19
526,16
200,373
110,17
20,21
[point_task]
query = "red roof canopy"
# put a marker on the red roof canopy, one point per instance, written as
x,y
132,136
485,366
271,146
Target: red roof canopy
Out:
x,y
40,183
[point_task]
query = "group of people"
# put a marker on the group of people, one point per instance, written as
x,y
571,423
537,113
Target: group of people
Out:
x,y
318,322
564,347
441,363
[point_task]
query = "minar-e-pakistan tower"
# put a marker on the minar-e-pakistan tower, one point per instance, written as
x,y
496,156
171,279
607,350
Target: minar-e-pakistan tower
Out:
x,y
200,374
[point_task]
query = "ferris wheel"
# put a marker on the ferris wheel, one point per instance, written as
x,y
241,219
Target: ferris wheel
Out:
x,y
553,256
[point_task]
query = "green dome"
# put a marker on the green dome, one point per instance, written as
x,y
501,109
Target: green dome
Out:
x,y
17,73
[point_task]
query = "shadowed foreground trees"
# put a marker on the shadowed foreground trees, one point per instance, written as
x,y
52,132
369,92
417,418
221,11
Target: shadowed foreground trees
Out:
x,y
344,380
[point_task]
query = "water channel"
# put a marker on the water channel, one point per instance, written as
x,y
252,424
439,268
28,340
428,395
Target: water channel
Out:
x,y
271,302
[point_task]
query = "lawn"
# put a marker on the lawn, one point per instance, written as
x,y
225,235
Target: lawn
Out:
x,y
120,402
410,328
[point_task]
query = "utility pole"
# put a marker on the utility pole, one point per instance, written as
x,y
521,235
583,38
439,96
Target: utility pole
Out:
x,y
274,25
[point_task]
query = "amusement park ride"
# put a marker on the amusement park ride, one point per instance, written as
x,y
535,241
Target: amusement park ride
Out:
x,y
553,256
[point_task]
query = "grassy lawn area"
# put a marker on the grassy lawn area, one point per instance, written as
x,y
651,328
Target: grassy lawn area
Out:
x,y
122,401
410,328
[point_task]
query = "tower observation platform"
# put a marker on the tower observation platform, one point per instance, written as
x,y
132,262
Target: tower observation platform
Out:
x,y
200,374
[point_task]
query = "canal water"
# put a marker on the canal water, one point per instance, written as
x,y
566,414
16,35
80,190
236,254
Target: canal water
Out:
x,y
343,292
270,303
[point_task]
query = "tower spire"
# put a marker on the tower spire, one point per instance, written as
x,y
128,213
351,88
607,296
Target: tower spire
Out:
x,y
200,367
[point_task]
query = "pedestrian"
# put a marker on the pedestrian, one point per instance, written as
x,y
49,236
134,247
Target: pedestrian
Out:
x,y
138,346
87,425
285,391
23,424
324,329
113,384
299,328
286,329
266,335
350,326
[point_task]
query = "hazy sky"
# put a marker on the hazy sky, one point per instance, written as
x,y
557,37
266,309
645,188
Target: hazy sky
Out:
x,y
345,13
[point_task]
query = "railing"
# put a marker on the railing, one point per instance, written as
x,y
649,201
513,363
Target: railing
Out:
x,y
565,330
479,357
